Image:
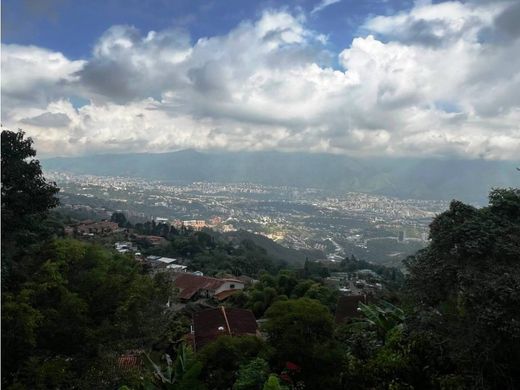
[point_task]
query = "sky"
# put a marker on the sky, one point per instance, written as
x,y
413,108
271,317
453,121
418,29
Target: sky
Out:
x,y
362,78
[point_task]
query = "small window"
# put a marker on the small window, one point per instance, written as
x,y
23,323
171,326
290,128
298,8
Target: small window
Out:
x,y
231,286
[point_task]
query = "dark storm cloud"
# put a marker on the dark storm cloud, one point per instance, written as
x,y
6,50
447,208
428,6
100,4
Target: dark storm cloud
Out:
x,y
111,79
128,66
508,21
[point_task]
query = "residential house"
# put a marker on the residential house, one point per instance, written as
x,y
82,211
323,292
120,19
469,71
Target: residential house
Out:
x,y
347,307
161,263
193,286
209,324
195,224
151,240
125,247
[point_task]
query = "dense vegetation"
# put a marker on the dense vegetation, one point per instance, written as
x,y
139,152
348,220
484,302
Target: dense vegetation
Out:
x,y
71,308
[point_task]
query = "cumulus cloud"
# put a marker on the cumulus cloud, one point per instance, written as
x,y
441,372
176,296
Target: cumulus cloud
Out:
x,y
33,77
48,119
127,66
433,25
432,81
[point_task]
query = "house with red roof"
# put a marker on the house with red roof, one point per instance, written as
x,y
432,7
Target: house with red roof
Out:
x,y
347,307
195,286
209,324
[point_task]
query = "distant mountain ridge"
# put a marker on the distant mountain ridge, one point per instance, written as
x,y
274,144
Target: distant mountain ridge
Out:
x,y
467,180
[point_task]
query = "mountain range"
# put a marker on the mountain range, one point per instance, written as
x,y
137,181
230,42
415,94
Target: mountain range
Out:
x,y
436,179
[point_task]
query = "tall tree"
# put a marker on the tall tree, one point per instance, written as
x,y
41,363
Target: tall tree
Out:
x,y
119,218
26,199
301,331
25,192
466,286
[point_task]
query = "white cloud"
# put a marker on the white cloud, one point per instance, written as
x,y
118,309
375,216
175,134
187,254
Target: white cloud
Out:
x,y
267,85
323,4
33,77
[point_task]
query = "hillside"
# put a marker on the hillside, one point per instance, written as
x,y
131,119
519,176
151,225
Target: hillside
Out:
x,y
275,250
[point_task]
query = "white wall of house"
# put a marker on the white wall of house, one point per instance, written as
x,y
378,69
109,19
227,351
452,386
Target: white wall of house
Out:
x,y
230,286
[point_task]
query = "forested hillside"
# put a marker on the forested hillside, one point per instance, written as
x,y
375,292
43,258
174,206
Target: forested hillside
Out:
x,y
75,314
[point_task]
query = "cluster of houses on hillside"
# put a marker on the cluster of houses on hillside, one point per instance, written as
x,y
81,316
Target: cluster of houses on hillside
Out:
x,y
209,324
91,228
362,282
105,227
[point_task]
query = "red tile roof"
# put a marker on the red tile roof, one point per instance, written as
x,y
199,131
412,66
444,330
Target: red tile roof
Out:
x,y
190,284
212,323
226,294
129,361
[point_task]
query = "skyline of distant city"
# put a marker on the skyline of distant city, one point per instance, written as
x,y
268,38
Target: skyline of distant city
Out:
x,y
337,224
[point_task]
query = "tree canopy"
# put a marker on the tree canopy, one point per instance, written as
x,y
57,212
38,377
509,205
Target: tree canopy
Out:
x,y
466,287
26,199
25,192
70,308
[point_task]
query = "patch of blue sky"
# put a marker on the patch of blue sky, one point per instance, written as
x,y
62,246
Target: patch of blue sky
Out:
x,y
447,106
78,102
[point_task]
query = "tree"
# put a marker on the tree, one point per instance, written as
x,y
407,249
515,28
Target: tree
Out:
x,y
223,357
301,331
119,218
273,383
382,318
26,199
25,192
465,286
82,303
181,374
251,376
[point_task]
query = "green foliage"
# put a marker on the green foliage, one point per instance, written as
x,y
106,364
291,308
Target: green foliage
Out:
x,y
462,329
119,218
315,269
26,199
252,375
280,287
25,192
466,285
226,355
392,276
301,332
383,318
325,295
273,383
181,374
81,301
213,256
70,309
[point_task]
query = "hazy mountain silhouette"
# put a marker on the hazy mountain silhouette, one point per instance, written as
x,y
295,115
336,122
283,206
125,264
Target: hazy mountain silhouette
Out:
x,y
468,180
